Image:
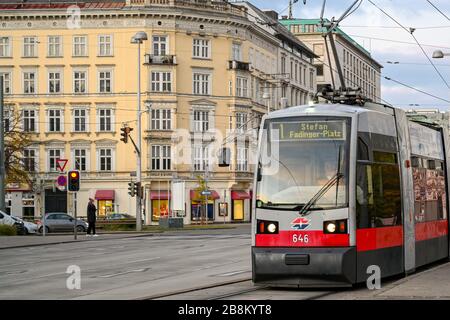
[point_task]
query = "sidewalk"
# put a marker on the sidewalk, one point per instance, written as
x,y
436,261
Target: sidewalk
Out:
x,y
430,284
7,242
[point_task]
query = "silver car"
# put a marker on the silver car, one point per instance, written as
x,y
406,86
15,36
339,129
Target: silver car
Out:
x,y
61,222
29,227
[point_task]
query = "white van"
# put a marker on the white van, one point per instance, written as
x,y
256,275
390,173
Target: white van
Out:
x,y
6,219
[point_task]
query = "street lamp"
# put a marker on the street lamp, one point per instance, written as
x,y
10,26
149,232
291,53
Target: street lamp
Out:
x,y
139,38
438,54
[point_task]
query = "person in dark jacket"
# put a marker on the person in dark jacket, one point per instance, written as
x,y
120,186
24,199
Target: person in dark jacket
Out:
x,y
91,209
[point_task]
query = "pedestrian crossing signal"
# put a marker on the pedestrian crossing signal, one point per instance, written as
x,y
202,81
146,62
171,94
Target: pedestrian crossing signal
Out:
x,y
73,181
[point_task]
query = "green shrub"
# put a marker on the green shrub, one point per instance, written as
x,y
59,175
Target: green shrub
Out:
x,y
6,230
118,227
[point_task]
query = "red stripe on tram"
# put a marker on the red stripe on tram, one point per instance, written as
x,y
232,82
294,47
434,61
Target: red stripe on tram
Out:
x,y
379,238
300,238
431,229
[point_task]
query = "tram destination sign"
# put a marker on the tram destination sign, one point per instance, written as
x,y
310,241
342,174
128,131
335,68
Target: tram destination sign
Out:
x,y
308,130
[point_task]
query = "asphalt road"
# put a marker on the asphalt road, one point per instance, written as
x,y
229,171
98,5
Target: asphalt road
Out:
x,y
128,268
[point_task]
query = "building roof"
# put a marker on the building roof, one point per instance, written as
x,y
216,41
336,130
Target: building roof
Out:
x,y
303,22
280,31
60,4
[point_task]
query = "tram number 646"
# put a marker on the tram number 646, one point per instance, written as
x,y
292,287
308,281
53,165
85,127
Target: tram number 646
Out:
x,y
303,238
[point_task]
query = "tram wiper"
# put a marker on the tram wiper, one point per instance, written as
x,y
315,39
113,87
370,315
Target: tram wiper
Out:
x,y
304,210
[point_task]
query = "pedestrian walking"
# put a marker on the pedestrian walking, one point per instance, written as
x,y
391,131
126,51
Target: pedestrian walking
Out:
x,y
91,209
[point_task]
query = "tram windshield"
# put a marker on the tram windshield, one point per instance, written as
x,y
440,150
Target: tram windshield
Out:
x,y
304,161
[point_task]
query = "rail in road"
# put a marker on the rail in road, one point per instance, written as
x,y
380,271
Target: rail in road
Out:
x,y
238,289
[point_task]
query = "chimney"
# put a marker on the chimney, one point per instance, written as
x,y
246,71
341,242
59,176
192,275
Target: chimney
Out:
x,y
272,14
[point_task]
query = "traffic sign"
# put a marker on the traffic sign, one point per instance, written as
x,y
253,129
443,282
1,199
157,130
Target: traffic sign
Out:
x,y
206,193
61,164
61,181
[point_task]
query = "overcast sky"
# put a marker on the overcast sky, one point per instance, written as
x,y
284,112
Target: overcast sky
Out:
x,y
369,22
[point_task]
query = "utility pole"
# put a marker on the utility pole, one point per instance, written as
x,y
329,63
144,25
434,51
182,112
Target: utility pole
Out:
x,y
2,150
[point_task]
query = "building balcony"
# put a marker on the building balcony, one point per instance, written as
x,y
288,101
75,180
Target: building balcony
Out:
x,y
160,59
238,65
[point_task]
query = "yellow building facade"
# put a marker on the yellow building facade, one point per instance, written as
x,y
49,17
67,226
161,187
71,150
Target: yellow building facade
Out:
x,y
70,73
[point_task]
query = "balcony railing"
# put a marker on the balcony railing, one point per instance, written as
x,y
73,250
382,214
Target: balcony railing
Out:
x,y
238,65
209,5
160,59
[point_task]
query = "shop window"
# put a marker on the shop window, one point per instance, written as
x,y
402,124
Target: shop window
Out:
x,y
160,209
105,207
198,210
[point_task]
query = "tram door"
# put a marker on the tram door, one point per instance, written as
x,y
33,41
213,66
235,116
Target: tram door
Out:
x,y
379,230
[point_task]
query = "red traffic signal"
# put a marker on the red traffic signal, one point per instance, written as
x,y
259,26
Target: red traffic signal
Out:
x,y
73,183
125,132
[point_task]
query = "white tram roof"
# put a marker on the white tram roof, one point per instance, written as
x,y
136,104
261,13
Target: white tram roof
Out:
x,y
330,109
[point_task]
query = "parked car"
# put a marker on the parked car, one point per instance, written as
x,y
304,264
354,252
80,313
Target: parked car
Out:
x,y
60,222
118,216
29,227
6,219
10,221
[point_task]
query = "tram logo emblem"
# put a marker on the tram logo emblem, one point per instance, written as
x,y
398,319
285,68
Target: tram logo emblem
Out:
x,y
300,223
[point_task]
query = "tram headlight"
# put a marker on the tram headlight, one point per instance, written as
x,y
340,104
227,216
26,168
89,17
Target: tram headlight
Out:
x,y
335,226
267,227
271,227
331,227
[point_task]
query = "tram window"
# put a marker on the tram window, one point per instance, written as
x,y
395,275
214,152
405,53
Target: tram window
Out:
x,y
415,162
378,196
431,164
385,157
363,150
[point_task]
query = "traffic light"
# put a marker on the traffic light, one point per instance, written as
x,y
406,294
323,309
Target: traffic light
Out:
x,y
131,189
125,132
139,190
73,183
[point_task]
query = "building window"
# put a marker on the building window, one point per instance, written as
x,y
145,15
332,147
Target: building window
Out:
x,y
29,160
104,79
54,82
319,70
201,121
79,81
201,83
6,76
79,116
160,45
7,117
241,122
29,82
283,64
236,52
105,47
105,159
105,119
53,155
54,46
241,87
160,157
29,47
242,159
201,48
79,46
80,159
161,81
5,47
29,120
161,119
200,157
54,120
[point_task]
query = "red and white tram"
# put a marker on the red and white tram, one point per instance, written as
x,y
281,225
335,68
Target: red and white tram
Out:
x,y
339,188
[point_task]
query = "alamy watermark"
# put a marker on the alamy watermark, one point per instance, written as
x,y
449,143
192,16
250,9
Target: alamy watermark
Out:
x,y
73,282
374,280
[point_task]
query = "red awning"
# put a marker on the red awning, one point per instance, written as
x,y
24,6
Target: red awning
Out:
x,y
239,195
195,195
163,194
104,195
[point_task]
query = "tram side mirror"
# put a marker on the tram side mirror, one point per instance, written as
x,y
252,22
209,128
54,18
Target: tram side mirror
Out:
x,y
224,157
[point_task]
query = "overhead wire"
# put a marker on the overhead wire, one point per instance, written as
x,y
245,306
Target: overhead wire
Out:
x,y
439,10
